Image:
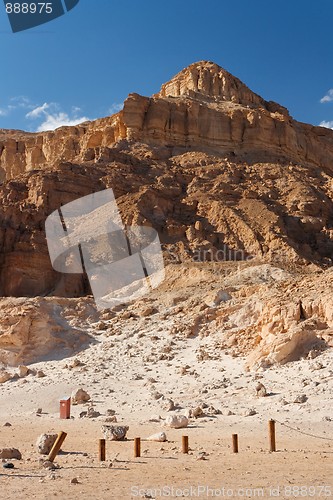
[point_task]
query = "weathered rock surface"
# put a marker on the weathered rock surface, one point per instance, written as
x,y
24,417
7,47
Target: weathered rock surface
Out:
x,y
79,396
34,329
10,453
176,421
159,437
45,442
217,170
115,432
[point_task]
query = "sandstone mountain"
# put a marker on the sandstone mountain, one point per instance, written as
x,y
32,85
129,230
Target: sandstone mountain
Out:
x,y
218,171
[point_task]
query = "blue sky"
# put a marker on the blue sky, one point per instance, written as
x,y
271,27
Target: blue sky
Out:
x,y
84,64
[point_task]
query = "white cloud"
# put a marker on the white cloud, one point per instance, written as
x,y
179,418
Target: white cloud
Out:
x,y
328,97
53,121
3,112
115,107
53,117
39,111
326,124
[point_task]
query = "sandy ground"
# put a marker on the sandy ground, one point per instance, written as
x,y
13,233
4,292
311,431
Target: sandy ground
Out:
x,y
253,472
301,460
134,366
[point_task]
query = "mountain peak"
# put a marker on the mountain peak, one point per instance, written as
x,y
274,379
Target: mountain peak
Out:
x,y
207,80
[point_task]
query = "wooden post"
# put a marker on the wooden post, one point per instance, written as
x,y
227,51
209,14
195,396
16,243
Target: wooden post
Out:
x,y
57,445
102,450
185,444
137,447
235,443
271,428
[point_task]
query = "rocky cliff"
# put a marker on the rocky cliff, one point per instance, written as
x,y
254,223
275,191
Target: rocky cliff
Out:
x,y
222,175
203,108
217,170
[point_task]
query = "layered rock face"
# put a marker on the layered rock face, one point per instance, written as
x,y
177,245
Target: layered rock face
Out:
x,y
203,108
218,171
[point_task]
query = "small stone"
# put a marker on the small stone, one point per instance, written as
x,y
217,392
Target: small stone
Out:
x,y
168,405
261,390
10,453
40,374
92,413
7,424
301,398
8,465
250,412
115,433
23,371
79,396
197,412
160,437
112,419
39,411
4,376
74,480
46,464
176,421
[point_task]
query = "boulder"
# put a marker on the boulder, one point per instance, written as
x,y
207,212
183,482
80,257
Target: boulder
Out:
x,y
45,442
79,396
10,453
160,437
115,432
176,421
261,390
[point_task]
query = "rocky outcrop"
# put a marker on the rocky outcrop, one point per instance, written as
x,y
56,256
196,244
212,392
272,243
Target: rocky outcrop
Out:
x,y
30,330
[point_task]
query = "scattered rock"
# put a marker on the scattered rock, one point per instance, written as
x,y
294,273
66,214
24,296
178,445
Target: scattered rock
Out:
x,y
261,390
301,398
7,424
74,480
23,371
8,465
10,453
176,421
79,396
112,419
250,412
5,376
160,437
115,433
45,442
46,464
40,374
197,412
92,413
168,405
